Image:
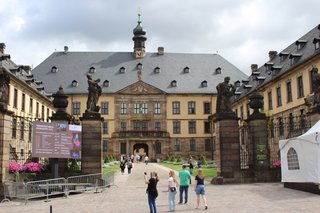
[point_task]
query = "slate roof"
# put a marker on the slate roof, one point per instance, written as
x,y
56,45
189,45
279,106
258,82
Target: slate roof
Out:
x,y
280,66
23,74
74,66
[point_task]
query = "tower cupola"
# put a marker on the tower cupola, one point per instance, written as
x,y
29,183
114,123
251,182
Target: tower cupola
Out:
x,y
139,39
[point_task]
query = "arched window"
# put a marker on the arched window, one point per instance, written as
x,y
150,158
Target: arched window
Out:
x,y
292,158
174,83
122,70
106,83
186,70
92,70
218,70
139,66
74,83
54,69
204,83
157,70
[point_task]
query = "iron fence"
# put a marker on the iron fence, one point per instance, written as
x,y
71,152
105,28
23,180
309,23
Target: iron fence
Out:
x,y
56,186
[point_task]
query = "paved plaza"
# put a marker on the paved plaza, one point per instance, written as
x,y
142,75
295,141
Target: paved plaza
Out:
x,y
128,195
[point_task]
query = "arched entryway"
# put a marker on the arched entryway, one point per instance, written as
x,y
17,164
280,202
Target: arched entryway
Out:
x,y
141,149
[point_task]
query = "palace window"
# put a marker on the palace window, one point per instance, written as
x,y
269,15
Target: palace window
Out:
x,y
140,108
14,128
123,126
176,147
157,109
76,108
208,145
207,127
204,84
191,107
74,83
92,70
176,107
206,108
186,70
31,106
123,148
176,127
192,145
218,70
123,108
122,70
15,98
289,92
21,130
279,100
23,102
300,87
174,83
157,70
104,145
106,83
104,108
192,127
158,147
292,158
157,126
270,100
104,127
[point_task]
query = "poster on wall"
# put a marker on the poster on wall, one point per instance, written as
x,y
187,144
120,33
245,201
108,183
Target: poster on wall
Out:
x,y
56,140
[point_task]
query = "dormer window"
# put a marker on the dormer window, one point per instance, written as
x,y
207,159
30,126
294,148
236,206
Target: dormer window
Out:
x,y
74,83
54,69
204,83
139,66
92,70
268,66
300,44
237,83
316,42
157,70
106,83
186,70
174,83
294,57
122,70
218,70
283,55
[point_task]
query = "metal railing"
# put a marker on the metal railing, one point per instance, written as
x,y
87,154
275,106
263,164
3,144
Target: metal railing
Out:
x,y
50,187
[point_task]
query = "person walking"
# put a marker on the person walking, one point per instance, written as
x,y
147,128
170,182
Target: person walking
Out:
x,y
129,165
190,166
122,166
184,176
152,190
199,189
172,188
146,160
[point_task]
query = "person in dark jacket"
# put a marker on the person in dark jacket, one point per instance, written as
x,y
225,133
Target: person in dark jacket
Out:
x,y
152,190
122,166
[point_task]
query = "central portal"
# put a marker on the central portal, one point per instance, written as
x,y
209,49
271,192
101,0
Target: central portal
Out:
x,y
141,149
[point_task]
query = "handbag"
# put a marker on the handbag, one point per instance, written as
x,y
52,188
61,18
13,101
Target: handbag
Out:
x,y
173,189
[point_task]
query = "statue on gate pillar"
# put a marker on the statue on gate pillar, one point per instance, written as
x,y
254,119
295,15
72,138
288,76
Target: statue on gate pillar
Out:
x,y
225,92
94,94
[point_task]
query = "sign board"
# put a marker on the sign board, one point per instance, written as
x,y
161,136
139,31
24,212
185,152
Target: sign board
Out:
x,y
56,140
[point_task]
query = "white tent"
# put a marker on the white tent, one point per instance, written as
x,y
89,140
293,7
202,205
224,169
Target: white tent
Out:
x,y
300,157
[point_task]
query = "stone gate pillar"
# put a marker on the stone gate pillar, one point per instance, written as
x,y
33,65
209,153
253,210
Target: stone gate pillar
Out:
x,y
91,152
259,157
59,167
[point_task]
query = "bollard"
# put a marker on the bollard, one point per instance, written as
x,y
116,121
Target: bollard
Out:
x,y
50,208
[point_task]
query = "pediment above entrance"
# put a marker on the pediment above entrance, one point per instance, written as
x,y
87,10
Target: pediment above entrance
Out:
x,y
140,87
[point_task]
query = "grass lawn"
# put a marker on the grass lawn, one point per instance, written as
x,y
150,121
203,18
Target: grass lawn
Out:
x,y
208,172
114,168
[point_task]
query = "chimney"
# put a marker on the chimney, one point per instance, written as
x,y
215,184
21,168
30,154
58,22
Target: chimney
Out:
x,y
254,68
2,47
66,49
160,50
272,54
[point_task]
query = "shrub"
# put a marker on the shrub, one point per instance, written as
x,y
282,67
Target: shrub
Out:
x,y
203,160
179,159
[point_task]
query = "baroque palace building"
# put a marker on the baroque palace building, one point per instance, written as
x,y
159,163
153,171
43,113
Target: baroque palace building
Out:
x,y
153,103
287,82
27,102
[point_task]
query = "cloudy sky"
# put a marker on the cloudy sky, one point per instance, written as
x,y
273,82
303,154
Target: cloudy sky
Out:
x,y
242,31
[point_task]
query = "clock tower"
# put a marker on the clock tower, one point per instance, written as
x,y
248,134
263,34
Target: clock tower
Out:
x,y
139,39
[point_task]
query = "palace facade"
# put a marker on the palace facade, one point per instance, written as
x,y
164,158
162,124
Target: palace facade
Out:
x,y
153,103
